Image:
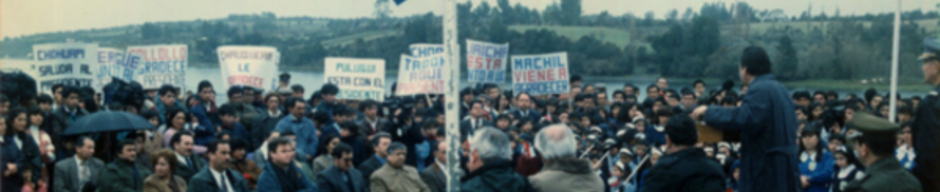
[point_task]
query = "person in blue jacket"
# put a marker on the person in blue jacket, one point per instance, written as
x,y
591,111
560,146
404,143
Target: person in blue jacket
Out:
x,y
816,164
232,126
302,127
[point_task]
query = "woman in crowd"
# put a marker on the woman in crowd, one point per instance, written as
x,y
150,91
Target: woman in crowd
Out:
x,y
177,123
17,123
163,179
46,149
325,160
847,169
816,163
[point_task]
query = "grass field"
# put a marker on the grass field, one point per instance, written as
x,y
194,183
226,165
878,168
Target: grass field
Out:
x,y
619,37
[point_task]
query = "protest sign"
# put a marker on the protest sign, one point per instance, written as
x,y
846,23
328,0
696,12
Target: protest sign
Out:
x,y
254,66
73,64
540,74
357,79
420,75
423,49
108,60
160,65
486,62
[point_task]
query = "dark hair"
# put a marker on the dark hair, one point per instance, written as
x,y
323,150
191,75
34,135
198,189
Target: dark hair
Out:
x,y
171,112
832,94
166,89
329,89
756,61
905,109
235,90
34,110
574,78
292,102
698,81
57,86
326,141
869,94
378,136
80,142
297,88
266,98
276,142
681,130
341,149
651,87
69,90
213,146
204,84
879,144
286,133
812,130
476,101
395,146
367,104
179,136
220,134
237,144
226,110
11,115
44,98
125,143
321,116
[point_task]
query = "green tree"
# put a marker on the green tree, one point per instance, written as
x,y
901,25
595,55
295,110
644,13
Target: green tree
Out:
x,y
787,60
571,11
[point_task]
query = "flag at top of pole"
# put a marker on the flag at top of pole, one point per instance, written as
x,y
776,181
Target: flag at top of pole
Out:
x,y
398,2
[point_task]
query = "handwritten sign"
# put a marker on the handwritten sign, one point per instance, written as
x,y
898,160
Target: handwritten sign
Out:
x,y
421,75
423,49
357,79
254,66
486,62
540,74
160,65
73,64
108,61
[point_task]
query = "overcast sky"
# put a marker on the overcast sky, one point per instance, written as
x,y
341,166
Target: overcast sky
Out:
x,y
24,17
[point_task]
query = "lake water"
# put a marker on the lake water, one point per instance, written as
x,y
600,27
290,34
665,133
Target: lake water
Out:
x,y
312,81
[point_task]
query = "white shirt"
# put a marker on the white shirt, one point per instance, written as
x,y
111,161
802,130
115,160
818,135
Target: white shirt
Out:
x,y
181,159
264,151
81,167
905,150
373,123
275,115
218,178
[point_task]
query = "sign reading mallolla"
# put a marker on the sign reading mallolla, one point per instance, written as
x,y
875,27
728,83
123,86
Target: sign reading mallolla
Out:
x,y
160,65
424,49
253,66
108,61
73,64
357,79
486,62
540,74
421,75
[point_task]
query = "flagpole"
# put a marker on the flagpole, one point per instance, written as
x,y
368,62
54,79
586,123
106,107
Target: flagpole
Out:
x,y
451,91
894,63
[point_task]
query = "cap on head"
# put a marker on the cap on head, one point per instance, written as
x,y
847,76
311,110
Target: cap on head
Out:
x,y
872,126
931,49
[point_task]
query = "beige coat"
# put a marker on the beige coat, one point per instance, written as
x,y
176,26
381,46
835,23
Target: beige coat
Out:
x,y
391,179
152,184
566,175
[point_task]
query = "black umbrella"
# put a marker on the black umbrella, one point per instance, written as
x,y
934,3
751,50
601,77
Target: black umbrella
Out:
x,y
108,121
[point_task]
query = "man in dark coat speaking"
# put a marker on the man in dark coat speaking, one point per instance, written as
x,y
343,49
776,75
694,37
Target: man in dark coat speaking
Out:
x,y
767,122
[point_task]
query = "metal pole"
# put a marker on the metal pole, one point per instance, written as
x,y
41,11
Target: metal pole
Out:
x,y
894,63
452,92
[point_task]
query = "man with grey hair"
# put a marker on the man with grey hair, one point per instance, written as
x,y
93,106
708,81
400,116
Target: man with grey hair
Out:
x,y
563,170
395,175
489,165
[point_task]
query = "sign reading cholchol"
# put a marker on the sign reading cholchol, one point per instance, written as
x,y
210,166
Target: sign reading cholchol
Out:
x,y
540,74
357,79
73,64
254,66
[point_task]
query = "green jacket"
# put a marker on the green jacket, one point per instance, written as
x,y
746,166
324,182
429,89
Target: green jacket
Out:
x,y
885,175
495,177
118,176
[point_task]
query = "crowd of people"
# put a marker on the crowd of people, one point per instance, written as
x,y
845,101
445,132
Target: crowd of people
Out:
x,y
585,140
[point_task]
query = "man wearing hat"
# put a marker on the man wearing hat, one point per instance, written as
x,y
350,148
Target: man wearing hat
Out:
x,y
925,132
875,149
